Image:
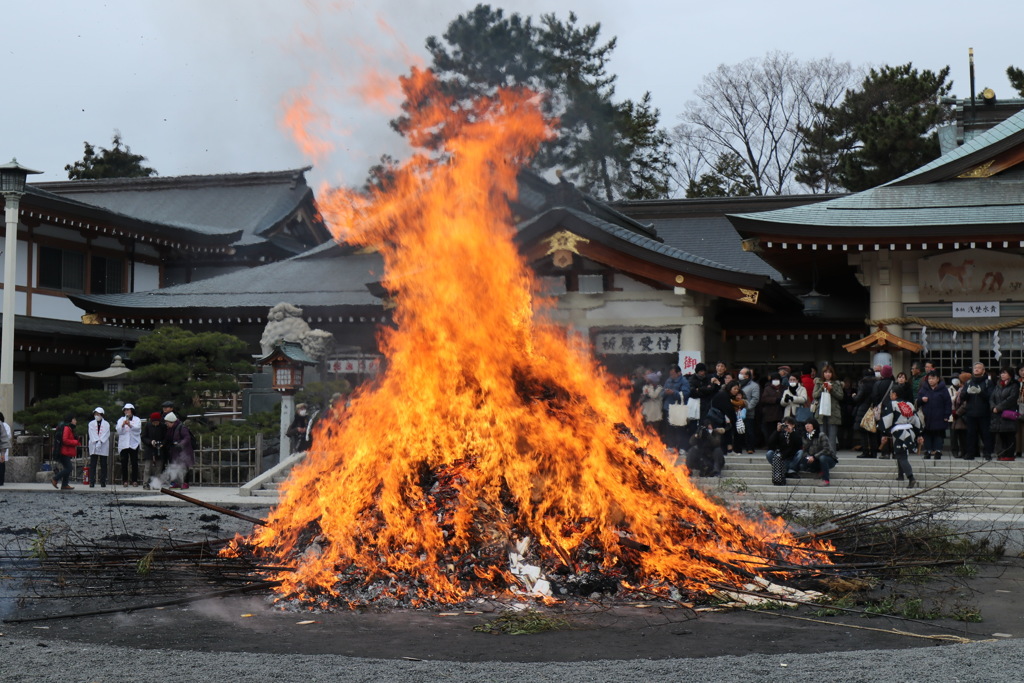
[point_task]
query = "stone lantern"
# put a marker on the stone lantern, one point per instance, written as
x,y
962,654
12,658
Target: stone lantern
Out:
x,y
287,361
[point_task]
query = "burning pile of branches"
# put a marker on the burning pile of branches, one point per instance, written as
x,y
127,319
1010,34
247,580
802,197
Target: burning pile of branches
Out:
x,y
494,456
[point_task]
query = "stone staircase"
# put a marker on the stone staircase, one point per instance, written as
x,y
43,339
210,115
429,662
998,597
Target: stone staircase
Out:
x,y
267,484
970,487
269,489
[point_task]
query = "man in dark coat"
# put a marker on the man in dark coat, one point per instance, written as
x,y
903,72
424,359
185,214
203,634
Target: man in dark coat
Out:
x,y
703,387
978,391
786,441
705,457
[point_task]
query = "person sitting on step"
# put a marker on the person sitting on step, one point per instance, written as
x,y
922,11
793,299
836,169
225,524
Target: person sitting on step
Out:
x,y
818,455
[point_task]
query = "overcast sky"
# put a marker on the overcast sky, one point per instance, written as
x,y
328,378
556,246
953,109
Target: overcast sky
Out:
x,y
197,86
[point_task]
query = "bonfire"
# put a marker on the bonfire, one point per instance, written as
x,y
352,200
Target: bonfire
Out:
x,y
493,457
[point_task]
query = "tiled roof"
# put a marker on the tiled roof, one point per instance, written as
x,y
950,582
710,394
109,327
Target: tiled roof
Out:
x,y
41,201
962,202
929,197
714,238
32,325
255,202
978,143
651,244
324,277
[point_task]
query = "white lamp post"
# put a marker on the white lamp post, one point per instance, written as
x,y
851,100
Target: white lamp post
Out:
x,y
12,186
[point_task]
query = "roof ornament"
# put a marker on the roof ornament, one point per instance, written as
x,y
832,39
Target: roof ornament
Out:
x,y
562,245
880,339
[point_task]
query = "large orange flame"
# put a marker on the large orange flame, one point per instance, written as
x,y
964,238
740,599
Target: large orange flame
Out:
x,y
489,424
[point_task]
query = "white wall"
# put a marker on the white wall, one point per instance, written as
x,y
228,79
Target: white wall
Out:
x,y
55,307
147,277
21,265
19,303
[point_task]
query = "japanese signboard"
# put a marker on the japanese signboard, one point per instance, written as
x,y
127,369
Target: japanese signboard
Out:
x,y
976,309
353,366
637,342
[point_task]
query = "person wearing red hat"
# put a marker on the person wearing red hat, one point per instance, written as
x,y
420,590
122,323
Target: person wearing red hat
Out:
x,y
154,451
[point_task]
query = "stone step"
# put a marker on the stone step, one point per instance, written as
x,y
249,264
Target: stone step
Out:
x,y
995,487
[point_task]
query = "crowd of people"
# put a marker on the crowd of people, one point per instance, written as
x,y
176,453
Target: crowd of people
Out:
x,y
153,453
802,420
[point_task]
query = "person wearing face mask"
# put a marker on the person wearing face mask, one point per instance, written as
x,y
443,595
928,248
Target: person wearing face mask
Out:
x,y
771,407
99,447
129,435
793,397
297,431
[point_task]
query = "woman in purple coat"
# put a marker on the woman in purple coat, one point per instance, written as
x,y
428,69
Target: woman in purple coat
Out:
x,y
937,407
179,440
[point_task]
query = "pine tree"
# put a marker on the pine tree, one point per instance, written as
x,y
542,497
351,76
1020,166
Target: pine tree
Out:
x,y
883,130
1016,77
116,162
729,178
599,141
186,367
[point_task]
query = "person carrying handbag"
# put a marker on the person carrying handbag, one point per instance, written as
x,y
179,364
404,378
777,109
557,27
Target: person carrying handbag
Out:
x,y
828,403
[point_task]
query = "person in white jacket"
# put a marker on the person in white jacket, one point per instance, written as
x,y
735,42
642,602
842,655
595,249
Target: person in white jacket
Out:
x,y
129,437
794,396
99,447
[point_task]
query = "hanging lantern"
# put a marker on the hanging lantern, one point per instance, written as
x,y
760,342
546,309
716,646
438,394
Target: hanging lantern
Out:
x,y
286,361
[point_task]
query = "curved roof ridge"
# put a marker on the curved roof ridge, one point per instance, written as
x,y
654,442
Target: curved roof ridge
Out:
x,y
114,184
1004,130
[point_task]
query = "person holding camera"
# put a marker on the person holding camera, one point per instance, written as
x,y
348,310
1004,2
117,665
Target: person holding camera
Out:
x,y
784,443
818,456
154,452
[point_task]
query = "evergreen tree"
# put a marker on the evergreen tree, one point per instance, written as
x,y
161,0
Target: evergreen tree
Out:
x,y
1016,77
116,162
648,167
729,178
883,130
186,367
599,142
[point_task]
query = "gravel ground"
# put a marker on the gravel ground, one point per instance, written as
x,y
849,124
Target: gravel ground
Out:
x,y
32,660
92,649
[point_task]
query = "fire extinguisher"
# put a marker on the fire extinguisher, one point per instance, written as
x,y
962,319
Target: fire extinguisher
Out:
x,y
85,475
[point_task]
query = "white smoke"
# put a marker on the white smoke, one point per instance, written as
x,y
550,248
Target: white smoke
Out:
x,y
173,473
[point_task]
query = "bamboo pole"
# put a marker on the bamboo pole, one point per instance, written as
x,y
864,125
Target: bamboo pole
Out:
x,y
215,508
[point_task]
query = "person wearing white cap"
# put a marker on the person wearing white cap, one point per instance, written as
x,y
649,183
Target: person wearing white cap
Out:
x,y
99,447
179,439
129,436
